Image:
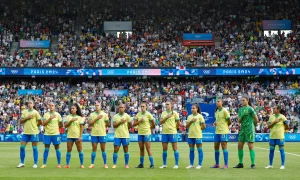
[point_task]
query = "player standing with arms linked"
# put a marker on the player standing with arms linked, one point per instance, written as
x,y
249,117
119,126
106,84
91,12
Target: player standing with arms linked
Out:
x,y
170,122
221,135
98,121
31,120
75,129
248,120
52,122
196,124
145,122
122,123
277,124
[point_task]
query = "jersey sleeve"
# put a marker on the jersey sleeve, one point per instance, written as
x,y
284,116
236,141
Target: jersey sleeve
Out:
x,y
115,118
38,116
162,115
106,119
252,112
151,117
284,120
23,115
202,121
128,118
240,114
59,117
188,119
226,114
177,116
46,116
269,122
81,120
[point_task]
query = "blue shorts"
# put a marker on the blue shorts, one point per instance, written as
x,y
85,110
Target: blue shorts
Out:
x,y
194,140
72,139
30,138
144,138
279,142
172,138
221,138
55,139
98,139
123,141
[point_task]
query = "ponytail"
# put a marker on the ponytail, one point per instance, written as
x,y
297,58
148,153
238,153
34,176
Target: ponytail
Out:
x,y
198,108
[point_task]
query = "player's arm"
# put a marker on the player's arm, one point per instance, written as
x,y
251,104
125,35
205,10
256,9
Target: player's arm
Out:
x,y
255,119
91,121
135,122
152,124
188,124
228,119
203,126
271,124
107,122
117,124
129,123
47,120
177,119
24,119
70,122
240,120
81,131
202,123
286,124
163,120
229,122
60,122
39,119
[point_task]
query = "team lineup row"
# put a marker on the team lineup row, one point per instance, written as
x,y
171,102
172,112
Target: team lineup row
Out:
x,y
144,121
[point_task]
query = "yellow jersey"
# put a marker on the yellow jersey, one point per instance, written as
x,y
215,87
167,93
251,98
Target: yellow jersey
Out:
x,y
169,127
52,128
74,127
122,131
195,130
277,131
30,126
222,116
144,128
99,128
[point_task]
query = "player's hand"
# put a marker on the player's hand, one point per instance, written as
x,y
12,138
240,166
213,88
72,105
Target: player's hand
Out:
x,y
74,119
100,117
142,120
79,139
168,116
277,121
215,124
52,117
194,120
29,117
123,121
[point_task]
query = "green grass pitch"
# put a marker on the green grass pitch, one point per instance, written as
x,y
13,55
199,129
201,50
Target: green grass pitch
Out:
x,y
9,159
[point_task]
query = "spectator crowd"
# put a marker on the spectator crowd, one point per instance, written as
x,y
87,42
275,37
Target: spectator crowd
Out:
x,y
156,39
64,93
